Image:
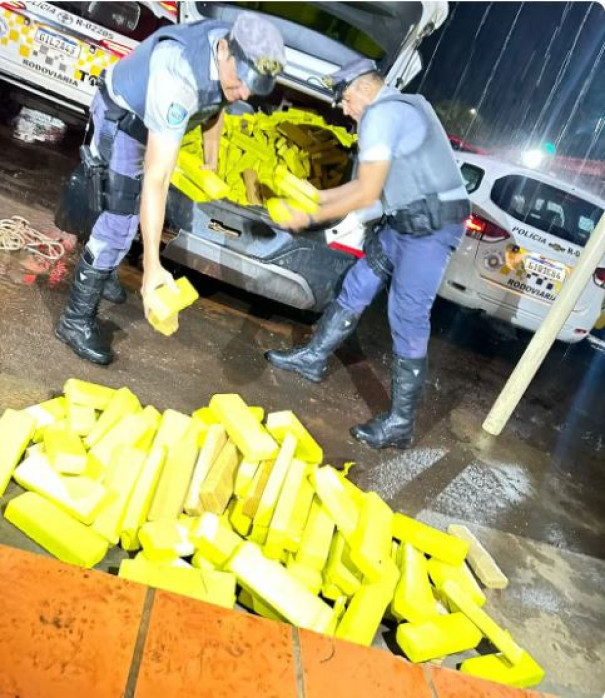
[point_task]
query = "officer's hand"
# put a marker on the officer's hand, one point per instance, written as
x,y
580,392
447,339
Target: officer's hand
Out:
x,y
299,220
153,277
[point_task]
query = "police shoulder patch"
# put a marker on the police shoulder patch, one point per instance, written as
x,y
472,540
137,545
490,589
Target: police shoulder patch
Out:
x,y
177,113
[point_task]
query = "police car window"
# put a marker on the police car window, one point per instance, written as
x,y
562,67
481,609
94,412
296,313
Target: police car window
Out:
x,y
472,177
312,16
586,225
131,19
546,207
558,210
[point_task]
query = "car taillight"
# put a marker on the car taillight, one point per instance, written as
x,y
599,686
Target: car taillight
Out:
x,y
171,8
480,229
114,47
599,277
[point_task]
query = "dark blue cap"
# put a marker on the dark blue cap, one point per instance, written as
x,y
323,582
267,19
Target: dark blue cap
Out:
x,y
259,52
341,79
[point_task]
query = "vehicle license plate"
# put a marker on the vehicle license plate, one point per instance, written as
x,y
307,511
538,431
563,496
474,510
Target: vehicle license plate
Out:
x,y
58,42
545,268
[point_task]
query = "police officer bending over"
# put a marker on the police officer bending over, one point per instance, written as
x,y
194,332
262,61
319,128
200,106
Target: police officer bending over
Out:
x,y
406,162
178,78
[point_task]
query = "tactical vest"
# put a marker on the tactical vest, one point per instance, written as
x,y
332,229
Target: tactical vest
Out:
x,y
430,169
130,77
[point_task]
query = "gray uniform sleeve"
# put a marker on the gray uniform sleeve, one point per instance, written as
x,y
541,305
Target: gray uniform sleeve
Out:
x,y
171,95
390,130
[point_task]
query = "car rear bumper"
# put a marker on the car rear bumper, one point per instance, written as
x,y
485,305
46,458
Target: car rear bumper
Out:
x,y
242,247
508,309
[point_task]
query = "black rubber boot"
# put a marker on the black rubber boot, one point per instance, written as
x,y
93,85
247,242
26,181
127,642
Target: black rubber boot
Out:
x,y
311,360
113,291
77,326
394,429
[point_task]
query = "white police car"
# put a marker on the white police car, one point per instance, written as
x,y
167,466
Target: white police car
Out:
x,y
522,241
52,53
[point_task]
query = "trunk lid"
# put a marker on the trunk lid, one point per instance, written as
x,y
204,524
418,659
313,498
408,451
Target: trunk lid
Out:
x,y
322,36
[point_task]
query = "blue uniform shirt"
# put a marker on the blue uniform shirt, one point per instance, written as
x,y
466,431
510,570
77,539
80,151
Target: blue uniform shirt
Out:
x,y
391,130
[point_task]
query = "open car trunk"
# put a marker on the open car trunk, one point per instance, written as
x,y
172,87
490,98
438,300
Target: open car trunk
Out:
x,y
241,244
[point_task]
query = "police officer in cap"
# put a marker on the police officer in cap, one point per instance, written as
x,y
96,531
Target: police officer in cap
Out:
x,y
405,162
179,77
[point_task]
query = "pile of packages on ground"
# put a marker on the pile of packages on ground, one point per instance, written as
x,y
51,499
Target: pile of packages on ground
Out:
x,y
229,504
266,160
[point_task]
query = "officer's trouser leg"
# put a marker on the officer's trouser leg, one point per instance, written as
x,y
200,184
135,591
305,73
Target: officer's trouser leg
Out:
x,y
112,234
419,264
109,242
338,322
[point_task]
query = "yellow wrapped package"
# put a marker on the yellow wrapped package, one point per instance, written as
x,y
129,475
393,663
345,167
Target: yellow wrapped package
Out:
x,y
16,431
279,528
272,583
438,637
54,530
362,618
214,539
371,540
165,540
413,599
187,581
307,449
176,474
440,572
337,501
141,498
280,209
164,302
79,496
499,637
249,436
125,469
121,403
317,538
65,450
45,413
429,540
341,577
494,667
214,442
166,327
86,394
274,485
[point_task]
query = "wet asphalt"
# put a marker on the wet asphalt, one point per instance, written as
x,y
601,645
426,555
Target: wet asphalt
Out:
x,y
535,495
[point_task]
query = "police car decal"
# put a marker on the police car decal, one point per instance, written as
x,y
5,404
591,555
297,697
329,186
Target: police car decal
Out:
x,y
177,113
55,51
525,272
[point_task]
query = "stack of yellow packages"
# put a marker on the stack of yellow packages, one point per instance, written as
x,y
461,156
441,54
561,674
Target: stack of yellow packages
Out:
x,y
228,504
269,161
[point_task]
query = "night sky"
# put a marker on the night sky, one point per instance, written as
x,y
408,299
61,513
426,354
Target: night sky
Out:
x,y
534,71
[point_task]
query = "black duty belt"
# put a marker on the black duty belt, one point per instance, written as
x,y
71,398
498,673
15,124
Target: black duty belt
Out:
x,y
427,215
128,122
